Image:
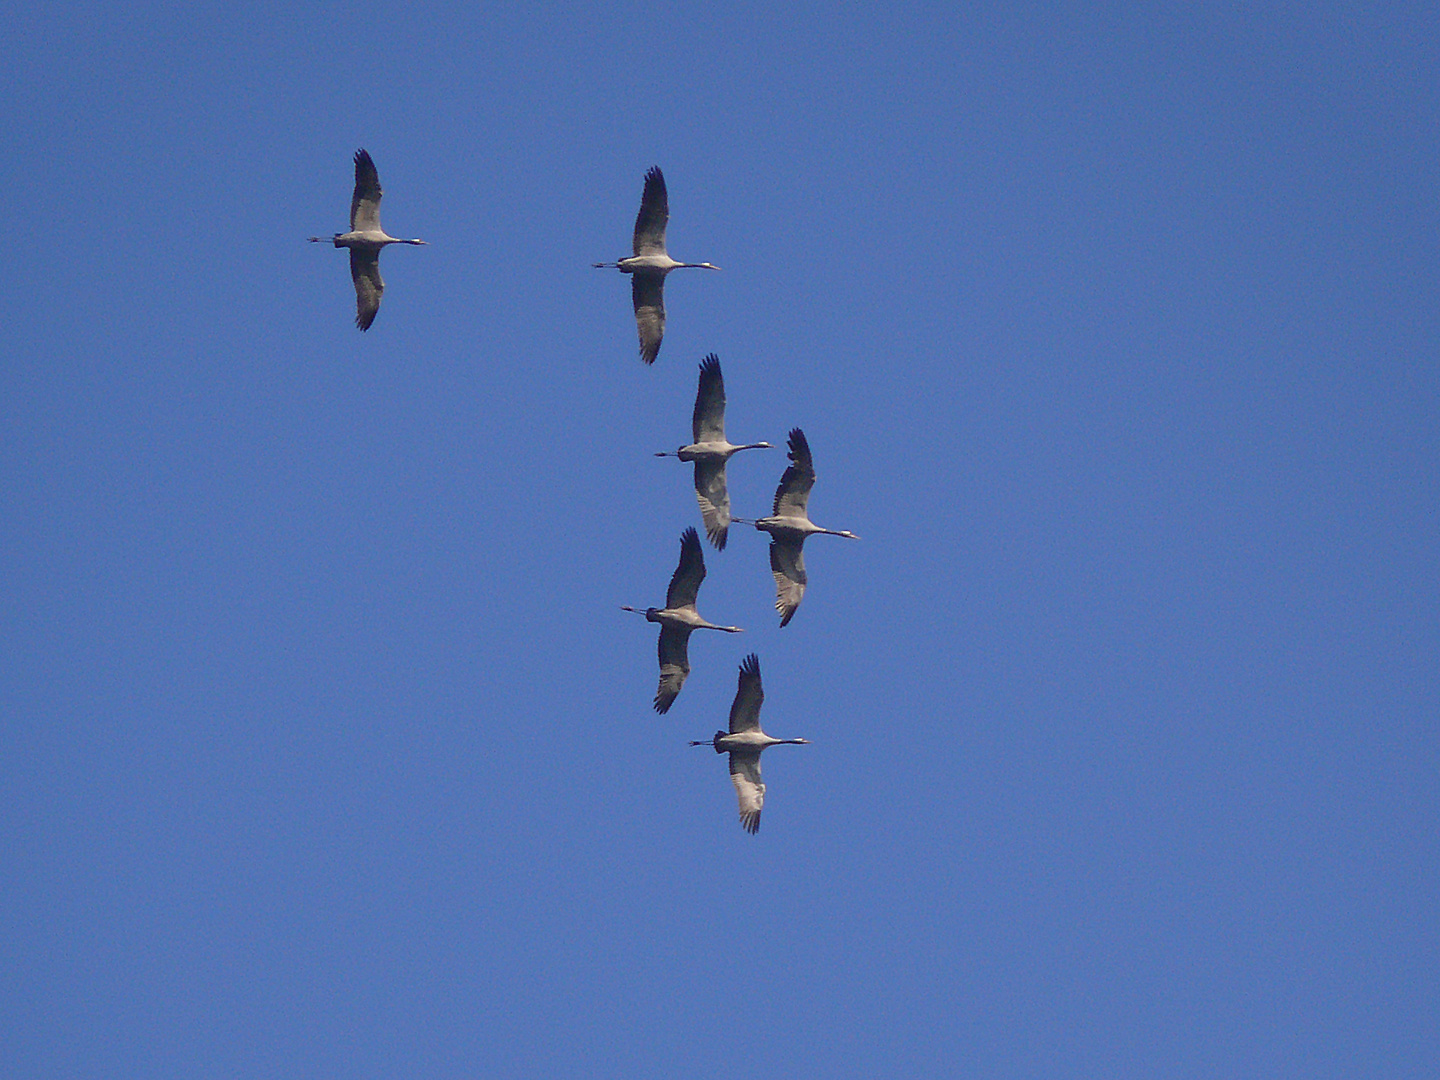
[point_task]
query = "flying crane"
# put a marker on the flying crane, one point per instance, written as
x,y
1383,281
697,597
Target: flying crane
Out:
x,y
789,525
678,618
710,451
649,265
365,239
745,742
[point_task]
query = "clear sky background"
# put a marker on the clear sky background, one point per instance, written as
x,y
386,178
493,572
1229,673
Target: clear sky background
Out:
x,y
327,751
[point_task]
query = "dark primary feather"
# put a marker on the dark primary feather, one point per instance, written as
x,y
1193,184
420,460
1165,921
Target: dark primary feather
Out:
x,y
749,696
365,203
365,272
793,494
654,215
674,665
689,573
708,421
745,775
714,499
647,291
787,564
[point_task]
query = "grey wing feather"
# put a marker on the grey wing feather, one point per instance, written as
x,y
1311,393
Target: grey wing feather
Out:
x,y
749,696
365,203
365,272
708,421
714,500
654,215
745,775
793,495
647,290
674,665
689,573
787,563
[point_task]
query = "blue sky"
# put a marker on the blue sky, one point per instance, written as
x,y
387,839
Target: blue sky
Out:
x,y
328,750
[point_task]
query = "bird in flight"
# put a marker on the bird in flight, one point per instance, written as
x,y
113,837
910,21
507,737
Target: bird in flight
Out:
x,y
710,451
365,239
745,742
649,265
789,525
678,618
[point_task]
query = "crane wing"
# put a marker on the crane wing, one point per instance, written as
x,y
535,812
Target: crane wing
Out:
x,y
689,573
365,203
745,775
792,497
365,272
787,563
708,421
749,696
674,665
654,215
647,290
714,500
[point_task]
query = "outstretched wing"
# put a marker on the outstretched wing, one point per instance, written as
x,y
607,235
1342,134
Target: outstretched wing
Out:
x,y
745,775
647,290
787,563
749,696
654,215
365,272
793,495
714,500
689,573
365,203
708,421
674,665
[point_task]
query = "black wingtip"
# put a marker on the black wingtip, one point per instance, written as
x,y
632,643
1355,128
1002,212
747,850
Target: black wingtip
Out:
x,y
750,665
798,442
690,539
653,175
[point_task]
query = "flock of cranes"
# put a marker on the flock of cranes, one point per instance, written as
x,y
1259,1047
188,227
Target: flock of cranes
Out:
x,y
710,451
